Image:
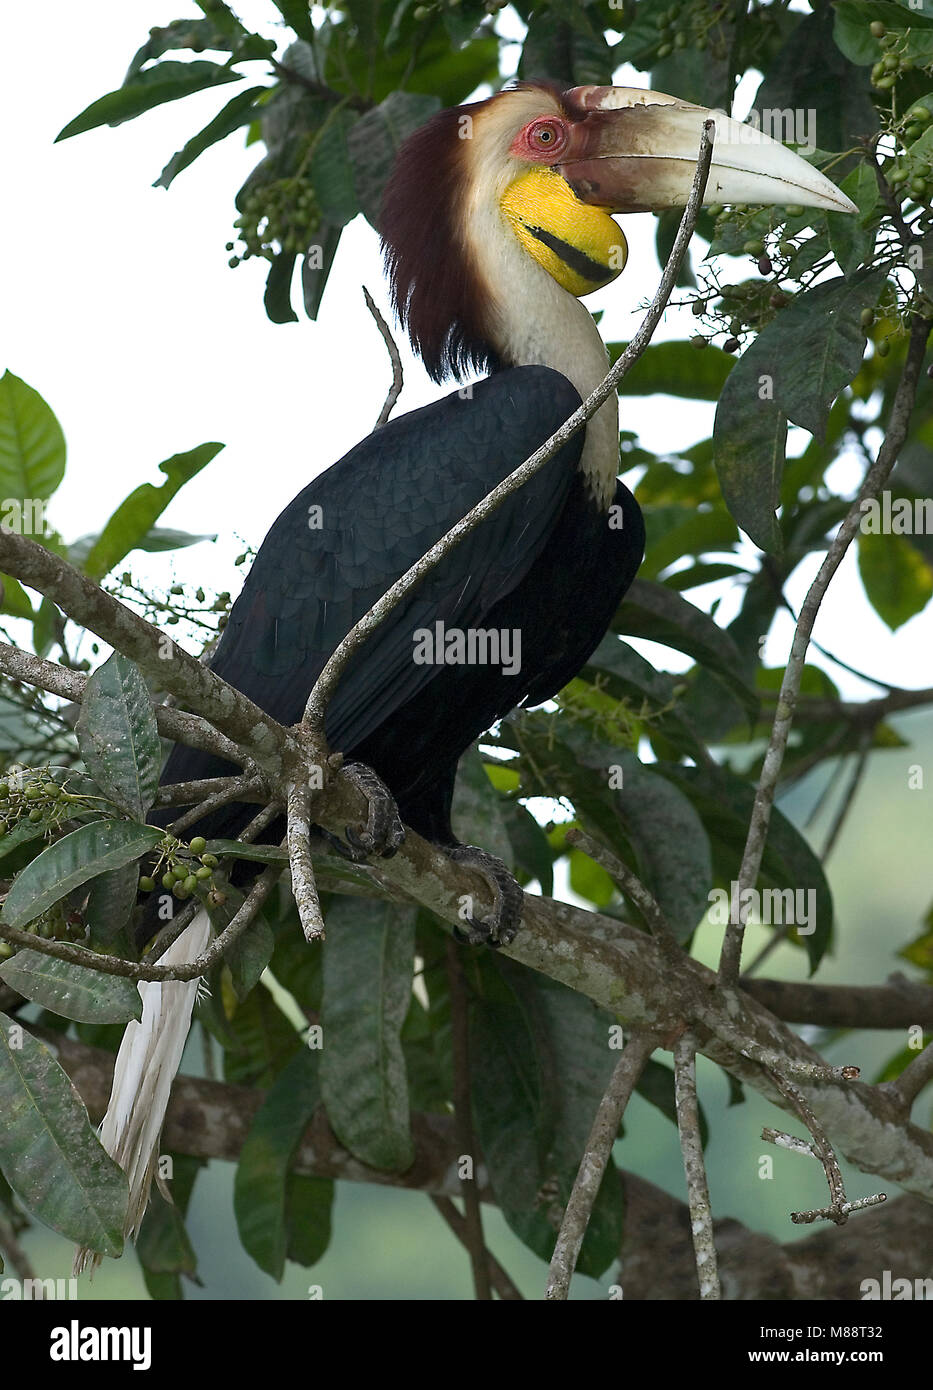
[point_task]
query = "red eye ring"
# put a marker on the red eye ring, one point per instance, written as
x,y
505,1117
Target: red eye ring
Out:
x,y
541,139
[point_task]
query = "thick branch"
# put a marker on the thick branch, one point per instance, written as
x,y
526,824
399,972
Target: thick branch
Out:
x,y
168,667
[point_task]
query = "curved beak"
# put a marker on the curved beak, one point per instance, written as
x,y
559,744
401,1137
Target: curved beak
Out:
x,y
634,150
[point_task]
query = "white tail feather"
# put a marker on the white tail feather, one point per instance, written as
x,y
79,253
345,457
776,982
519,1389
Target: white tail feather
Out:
x,y
149,1057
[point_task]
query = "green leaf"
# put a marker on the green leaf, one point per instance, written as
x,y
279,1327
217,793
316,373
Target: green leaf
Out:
x,y
853,241
658,614
368,964
315,268
67,863
72,990
118,736
260,1192
163,1246
675,369
110,904
278,294
49,1154
662,826
898,580
565,47
794,370
811,75
23,831
854,17
297,15
375,140
724,802
15,600
32,446
237,113
676,531
330,169
152,87
133,520
263,1041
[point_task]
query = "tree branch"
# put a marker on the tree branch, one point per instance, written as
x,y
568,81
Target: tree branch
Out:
x,y
586,1185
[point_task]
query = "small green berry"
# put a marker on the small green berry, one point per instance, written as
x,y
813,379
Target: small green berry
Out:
x,y
168,880
198,845
921,114
146,884
883,348
210,860
190,883
877,29
698,341
867,317
35,814
204,873
794,210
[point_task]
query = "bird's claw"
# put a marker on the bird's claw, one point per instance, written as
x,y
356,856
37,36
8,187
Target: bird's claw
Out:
x,y
501,926
383,831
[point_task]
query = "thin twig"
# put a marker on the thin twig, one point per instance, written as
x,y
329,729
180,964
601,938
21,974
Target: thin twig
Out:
x,y
234,791
916,1075
629,881
17,1257
298,839
688,1126
395,390
318,700
593,1163
457,1222
731,956
173,723
848,796
192,793
167,666
144,970
462,1098
822,1148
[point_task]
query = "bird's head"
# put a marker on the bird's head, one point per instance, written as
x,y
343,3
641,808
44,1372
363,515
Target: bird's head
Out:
x,y
533,173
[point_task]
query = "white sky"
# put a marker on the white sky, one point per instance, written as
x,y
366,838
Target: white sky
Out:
x,y
118,306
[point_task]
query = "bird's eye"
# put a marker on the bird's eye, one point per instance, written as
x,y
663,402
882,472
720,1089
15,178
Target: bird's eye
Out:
x,y
542,139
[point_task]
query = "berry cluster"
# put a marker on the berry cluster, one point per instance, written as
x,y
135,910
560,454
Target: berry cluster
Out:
x,y
185,870
276,217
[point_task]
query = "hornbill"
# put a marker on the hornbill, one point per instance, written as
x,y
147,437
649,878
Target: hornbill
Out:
x,y
495,221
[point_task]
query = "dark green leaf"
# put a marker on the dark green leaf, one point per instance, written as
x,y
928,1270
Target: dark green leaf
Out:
x,y
265,1040
330,169
72,990
48,1152
237,113
165,82
656,613
368,963
374,142
132,522
118,736
67,863
262,1175
278,296
110,903
675,369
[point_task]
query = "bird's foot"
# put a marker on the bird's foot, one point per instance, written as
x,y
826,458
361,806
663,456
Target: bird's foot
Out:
x,y
383,832
501,926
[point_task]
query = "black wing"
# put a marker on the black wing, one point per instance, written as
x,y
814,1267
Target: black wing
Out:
x,y
360,525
